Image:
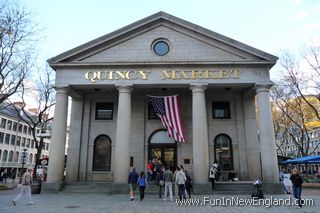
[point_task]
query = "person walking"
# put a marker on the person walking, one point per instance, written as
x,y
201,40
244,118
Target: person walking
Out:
x,y
188,183
212,174
168,178
149,170
297,181
160,181
287,183
142,183
180,181
26,181
132,181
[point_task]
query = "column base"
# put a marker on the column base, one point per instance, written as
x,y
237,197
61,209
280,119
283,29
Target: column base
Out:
x,y
51,187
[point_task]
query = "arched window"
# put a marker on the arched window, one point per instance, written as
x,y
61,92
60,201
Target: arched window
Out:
x,y
16,157
223,152
102,154
10,156
4,156
30,158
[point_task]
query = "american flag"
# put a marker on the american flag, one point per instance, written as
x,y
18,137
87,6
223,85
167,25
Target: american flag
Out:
x,y
169,111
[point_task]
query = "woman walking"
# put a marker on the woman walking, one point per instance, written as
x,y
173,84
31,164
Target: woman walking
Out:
x,y
142,183
297,181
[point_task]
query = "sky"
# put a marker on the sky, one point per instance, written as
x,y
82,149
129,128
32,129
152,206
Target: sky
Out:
x,y
268,25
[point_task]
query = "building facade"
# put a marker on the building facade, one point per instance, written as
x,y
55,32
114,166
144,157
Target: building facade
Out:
x,y
16,138
113,126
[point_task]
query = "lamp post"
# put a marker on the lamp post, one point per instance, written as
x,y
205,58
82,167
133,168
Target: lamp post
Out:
x,y
24,158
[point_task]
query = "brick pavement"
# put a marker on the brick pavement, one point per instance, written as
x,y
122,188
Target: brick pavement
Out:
x,y
83,203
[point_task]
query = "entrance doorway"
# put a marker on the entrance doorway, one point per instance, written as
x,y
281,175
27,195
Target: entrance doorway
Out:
x,y
163,148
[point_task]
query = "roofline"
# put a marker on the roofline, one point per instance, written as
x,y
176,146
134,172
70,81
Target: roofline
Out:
x,y
165,16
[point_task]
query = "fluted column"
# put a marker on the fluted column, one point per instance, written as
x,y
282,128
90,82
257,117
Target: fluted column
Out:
x,y
266,134
122,153
199,135
58,138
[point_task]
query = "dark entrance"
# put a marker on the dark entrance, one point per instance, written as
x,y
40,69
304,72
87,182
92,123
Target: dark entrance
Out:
x,y
163,148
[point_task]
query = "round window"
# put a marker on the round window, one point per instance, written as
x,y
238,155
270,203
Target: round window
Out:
x,y
161,48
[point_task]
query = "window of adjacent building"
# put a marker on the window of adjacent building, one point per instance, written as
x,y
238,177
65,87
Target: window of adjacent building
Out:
x,y
1,137
9,125
102,154
29,131
10,156
14,126
18,141
20,128
3,123
25,129
223,152
13,140
47,146
30,158
32,144
23,142
104,111
28,143
4,156
221,110
151,114
16,157
7,139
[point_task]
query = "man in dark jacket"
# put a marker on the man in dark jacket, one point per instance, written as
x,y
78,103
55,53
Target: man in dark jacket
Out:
x,y
132,181
297,181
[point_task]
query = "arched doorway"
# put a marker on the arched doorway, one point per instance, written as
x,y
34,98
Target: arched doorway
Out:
x,y
223,152
163,147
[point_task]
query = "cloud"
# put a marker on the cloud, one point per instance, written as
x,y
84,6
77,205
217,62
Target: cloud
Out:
x,y
302,14
297,2
311,27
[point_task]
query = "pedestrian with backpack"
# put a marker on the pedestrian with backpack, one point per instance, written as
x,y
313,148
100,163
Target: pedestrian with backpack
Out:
x,y
142,183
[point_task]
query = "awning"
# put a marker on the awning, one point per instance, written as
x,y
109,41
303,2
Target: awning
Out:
x,y
304,160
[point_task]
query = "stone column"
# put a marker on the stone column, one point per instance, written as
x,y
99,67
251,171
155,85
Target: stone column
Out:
x,y
58,138
122,152
200,144
74,140
266,134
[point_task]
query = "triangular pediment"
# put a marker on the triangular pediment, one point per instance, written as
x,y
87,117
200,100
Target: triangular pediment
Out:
x,y
188,43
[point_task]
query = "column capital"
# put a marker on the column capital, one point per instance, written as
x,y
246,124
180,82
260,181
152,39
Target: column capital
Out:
x,y
61,90
124,89
198,87
263,87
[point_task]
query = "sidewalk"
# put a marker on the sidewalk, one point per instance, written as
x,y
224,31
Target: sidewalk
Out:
x,y
94,203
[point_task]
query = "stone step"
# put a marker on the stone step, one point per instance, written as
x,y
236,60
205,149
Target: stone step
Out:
x,y
112,188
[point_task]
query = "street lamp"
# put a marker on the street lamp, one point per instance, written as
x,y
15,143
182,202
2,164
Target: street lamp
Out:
x,y
24,158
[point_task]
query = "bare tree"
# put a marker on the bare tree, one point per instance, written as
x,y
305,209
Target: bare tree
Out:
x,y
17,41
298,108
44,95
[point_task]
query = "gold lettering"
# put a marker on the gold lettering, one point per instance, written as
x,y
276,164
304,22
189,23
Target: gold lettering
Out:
x,y
225,74
183,75
144,74
121,74
168,74
236,73
196,74
110,75
91,76
128,75
211,74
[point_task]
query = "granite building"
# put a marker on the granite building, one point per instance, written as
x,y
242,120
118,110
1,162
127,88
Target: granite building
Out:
x,y
113,126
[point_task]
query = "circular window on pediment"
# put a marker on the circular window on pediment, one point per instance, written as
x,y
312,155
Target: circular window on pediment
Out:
x,y
160,47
